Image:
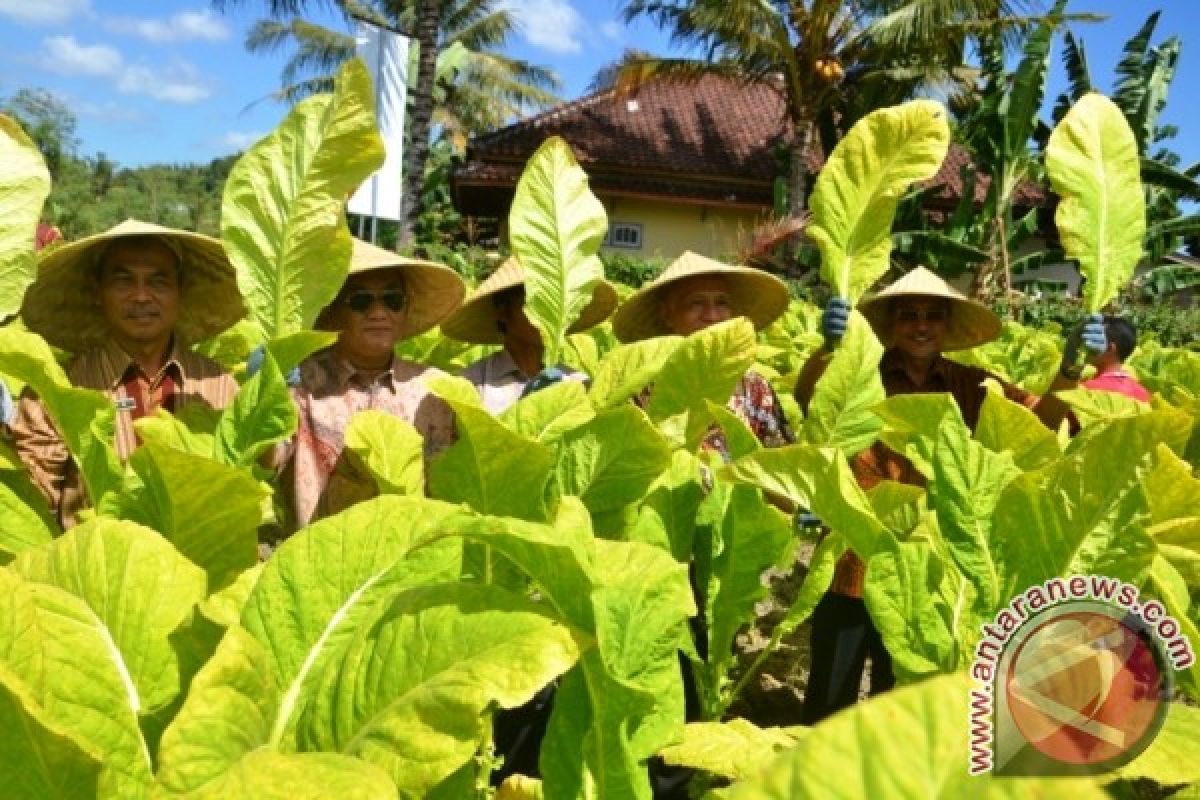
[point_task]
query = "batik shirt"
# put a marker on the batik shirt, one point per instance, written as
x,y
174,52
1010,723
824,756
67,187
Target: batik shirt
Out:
x,y
320,478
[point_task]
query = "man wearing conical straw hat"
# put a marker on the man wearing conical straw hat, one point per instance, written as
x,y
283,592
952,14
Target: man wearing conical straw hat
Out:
x,y
691,294
917,318
386,298
495,314
127,302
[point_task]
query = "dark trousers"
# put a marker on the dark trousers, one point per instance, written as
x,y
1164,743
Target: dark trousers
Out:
x,y
842,638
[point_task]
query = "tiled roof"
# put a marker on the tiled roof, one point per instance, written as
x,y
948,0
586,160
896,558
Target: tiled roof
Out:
x,y
713,140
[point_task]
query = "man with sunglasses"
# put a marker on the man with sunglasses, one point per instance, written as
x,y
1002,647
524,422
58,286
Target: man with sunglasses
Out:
x,y
386,298
917,319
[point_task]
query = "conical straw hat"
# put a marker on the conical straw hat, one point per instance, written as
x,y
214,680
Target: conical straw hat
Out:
x,y
755,294
433,290
475,322
970,323
61,305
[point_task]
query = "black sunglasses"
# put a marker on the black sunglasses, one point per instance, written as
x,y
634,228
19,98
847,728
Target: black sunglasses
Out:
x,y
361,300
929,315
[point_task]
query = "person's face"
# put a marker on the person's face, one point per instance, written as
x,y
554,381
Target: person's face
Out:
x,y
694,304
368,326
139,292
919,325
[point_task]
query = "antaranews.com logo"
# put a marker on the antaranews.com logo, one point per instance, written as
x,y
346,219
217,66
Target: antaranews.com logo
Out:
x,y
1074,677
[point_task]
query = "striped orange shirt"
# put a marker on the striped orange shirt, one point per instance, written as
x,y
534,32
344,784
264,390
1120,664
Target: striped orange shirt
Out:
x,y
185,379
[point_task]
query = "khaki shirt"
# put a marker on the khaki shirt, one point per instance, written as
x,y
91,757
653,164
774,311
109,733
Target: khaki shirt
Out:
x,y
111,370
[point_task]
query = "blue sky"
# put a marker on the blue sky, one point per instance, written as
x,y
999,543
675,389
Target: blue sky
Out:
x,y
169,80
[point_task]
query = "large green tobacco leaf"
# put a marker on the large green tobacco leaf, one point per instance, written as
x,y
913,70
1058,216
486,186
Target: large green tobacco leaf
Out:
x,y
261,415
490,468
628,369
1171,759
965,481
24,185
546,415
555,226
1005,426
332,577
411,691
735,749
27,521
56,645
282,216
705,368
85,418
189,431
391,449
138,586
739,540
209,511
856,194
820,480
667,516
41,759
903,592
1086,514
290,350
264,775
213,749
624,700
1092,162
907,743
839,413
611,461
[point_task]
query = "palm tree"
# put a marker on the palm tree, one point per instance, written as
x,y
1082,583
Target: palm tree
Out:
x,y
463,85
833,60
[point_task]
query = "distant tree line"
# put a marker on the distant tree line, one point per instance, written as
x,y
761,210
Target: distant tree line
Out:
x,y
93,193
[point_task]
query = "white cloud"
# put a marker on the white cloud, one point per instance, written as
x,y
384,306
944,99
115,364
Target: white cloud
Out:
x,y
613,30
240,140
552,25
44,12
66,56
184,26
180,83
172,86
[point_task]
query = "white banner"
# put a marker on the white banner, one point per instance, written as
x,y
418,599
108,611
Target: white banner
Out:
x,y
386,56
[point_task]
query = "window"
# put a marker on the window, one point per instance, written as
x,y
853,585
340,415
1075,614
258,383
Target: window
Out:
x,y
624,234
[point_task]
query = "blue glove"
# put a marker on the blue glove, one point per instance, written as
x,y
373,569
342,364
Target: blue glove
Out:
x,y
806,520
8,409
1090,334
547,377
834,320
254,363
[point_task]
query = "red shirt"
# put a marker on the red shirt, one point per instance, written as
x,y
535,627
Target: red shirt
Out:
x,y
1120,382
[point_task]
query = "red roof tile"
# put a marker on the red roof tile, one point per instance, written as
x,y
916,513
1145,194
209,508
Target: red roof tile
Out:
x,y
713,140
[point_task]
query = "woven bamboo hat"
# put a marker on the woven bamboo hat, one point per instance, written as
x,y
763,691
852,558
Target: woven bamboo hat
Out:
x,y
970,323
433,290
61,304
475,322
753,293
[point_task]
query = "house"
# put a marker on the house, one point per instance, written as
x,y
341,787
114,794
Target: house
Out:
x,y
678,164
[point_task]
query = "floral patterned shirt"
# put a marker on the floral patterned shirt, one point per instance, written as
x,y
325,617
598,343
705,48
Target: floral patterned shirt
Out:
x,y
756,404
319,478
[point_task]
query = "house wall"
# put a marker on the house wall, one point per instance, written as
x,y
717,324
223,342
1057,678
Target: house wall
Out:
x,y
670,228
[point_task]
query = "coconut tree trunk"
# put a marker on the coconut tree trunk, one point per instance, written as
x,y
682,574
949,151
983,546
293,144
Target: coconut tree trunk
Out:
x,y
421,115
798,169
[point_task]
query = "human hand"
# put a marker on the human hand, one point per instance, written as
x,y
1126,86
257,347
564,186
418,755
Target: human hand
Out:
x,y
254,363
1089,335
834,320
547,377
